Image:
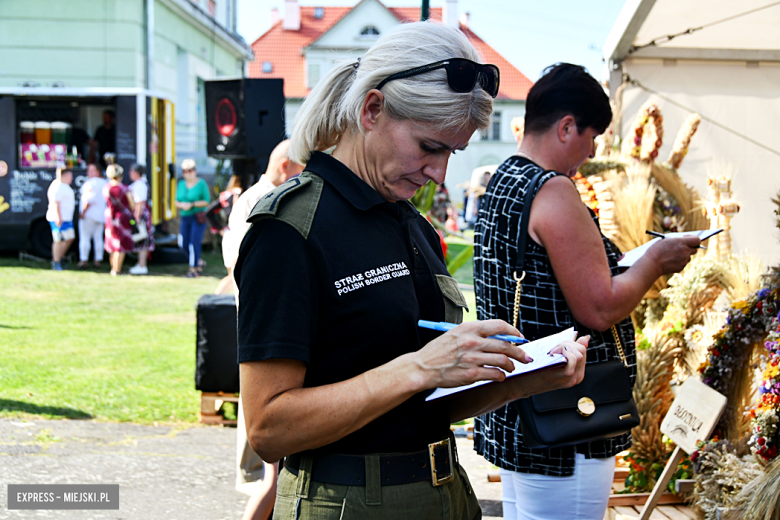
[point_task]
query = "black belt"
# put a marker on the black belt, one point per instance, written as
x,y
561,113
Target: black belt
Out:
x,y
434,464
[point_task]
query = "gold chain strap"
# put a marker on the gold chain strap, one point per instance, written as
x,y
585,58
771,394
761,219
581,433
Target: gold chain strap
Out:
x,y
518,290
619,346
516,311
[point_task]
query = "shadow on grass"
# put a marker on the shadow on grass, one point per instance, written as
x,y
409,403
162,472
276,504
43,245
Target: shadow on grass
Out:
x,y
9,405
14,327
214,265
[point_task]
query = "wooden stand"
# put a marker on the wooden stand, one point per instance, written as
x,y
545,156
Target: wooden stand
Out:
x,y
210,403
693,415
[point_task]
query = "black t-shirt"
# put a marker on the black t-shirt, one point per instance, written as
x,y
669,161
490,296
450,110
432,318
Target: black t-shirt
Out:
x,y
346,297
106,140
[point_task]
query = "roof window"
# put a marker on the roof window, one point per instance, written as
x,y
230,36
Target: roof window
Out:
x,y
369,32
268,66
319,12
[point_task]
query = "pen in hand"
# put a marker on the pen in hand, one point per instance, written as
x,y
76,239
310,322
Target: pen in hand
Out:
x,y
443,326
661,235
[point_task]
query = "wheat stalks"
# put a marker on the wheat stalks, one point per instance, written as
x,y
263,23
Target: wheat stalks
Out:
x,y
721,479
743,276
693,291
683,141
760,499
634,207
602,186
654,134
653,395
690,203
646,134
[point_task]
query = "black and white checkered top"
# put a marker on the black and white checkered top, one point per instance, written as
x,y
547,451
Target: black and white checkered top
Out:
x,y
543,311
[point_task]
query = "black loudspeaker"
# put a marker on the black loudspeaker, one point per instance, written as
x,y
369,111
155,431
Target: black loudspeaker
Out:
x,y
244,117
216,368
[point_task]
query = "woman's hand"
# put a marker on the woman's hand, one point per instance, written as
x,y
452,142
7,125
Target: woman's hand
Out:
x,y
673,254
572,374
184,205
486,398
465,355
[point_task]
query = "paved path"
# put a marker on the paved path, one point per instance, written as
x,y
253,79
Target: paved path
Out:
x,y
163,473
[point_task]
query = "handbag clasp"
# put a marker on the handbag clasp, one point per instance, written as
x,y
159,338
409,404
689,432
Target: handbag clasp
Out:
x,y
586,406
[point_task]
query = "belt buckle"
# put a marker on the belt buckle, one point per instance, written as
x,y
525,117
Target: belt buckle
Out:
x,y
435,480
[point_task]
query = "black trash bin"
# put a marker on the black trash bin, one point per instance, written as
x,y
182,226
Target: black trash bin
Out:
x,y
216,368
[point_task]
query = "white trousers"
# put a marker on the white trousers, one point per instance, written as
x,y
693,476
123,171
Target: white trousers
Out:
x,y
250,468
583,496
90,230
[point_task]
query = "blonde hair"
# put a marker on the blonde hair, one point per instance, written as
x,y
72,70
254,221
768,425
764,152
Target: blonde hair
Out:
x,y
114,171
333,107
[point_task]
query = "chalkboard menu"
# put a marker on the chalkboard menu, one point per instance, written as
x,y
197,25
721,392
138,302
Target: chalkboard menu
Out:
x,y
24,191
126,136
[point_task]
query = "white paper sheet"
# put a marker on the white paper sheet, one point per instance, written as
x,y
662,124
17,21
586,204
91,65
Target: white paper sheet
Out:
x,y
538,350
632,256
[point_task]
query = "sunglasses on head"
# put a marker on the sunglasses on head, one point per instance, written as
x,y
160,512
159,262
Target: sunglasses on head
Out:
x,y
462,75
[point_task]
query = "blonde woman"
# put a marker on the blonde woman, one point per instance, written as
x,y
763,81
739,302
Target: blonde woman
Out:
x,y
192,198
334,274
119,207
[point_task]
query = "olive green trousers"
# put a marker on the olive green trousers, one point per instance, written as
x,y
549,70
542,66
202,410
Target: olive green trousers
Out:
x,y
298,497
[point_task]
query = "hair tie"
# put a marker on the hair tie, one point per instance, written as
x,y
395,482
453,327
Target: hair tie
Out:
x,y
356,64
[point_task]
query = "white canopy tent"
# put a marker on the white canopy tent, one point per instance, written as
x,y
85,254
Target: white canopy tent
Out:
x,y
722,60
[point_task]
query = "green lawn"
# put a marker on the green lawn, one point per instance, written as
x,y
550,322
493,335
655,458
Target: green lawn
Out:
x,y
81,344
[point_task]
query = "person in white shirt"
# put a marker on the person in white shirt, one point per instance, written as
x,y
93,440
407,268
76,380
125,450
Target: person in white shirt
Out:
x,y
280,168
254,476
139,189
92,209
62,204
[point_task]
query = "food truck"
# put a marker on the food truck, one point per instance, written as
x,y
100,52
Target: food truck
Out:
x,y
42,129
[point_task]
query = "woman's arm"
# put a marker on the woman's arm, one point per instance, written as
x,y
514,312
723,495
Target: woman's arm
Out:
x,y
283,417
561,223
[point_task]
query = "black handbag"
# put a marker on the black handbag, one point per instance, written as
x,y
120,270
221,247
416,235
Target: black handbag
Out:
x,y
601,406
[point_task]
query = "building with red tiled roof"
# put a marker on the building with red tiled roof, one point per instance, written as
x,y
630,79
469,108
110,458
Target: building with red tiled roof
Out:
x,y
303,45
282,50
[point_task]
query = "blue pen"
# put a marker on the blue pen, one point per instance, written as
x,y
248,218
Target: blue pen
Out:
x,y
443,326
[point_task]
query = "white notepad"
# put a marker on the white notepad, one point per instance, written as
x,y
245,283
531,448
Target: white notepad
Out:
x,y
632,256
538,350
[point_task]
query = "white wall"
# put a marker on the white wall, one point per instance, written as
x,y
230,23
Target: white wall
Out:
x,y
744,99
343,41
481,153
346,33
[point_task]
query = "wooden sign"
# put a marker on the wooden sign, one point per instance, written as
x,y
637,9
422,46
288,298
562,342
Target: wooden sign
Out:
x,y
693,415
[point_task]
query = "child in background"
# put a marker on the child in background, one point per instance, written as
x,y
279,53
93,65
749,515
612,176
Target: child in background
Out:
x,y
62,204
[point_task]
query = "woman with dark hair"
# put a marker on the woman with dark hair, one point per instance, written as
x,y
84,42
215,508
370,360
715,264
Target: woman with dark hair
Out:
x,y
571,279
336,271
